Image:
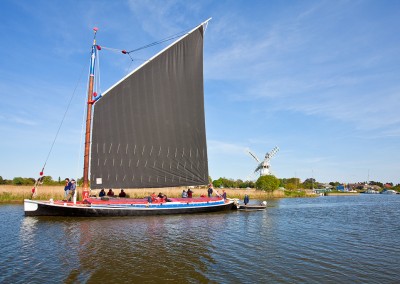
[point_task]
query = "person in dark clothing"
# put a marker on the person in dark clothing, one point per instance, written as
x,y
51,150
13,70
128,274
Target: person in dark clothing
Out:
x,y
246,199
162,196
67,188
210,190
72,189
224,194
102,193
110,193
122,193
189,193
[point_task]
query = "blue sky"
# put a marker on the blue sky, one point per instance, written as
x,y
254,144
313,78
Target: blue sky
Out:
x,y
319,79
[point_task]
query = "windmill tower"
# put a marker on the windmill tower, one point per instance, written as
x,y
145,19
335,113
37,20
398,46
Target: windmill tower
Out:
x,y
264,166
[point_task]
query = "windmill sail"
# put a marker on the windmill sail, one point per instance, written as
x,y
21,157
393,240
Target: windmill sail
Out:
x,y
149,128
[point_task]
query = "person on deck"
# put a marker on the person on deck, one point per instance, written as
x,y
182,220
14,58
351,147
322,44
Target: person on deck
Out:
x,y
210,190
224,194
72,189
66,188
184,194
189,193
110,192
122,193
162,197
102,193
153,197
246,199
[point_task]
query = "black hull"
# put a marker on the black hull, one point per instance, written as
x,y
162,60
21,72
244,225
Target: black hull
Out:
x,y
44,209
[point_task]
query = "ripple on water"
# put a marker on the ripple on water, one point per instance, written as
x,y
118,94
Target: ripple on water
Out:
x,y
319,240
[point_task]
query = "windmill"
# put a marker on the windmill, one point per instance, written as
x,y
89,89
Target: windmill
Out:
x,y
264,166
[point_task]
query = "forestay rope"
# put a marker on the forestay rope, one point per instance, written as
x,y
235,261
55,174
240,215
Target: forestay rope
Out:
x,y
39,180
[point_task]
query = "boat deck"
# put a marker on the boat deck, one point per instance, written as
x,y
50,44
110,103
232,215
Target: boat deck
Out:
x,y
142,202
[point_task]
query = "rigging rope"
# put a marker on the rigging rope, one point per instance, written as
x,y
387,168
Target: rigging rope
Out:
x,y
62,121
39,180
80,151
123,51
97,88
171,37
160,41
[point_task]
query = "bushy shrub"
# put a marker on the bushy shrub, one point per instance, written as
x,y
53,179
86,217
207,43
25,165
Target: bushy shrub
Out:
x,y
267,183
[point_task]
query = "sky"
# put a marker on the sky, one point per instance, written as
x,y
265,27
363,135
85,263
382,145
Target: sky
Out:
x,y
318,79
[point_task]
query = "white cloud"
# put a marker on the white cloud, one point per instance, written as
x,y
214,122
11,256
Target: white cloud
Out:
x,y
225,147
21,120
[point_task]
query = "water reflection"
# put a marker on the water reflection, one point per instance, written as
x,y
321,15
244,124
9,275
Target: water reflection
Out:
x,y
28,231
117,248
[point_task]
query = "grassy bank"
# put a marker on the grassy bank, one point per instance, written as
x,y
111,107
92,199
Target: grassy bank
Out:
x,y
10,193
342,193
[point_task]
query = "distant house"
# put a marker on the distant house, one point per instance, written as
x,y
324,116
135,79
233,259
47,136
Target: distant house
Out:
x,y
320,191
373,187
326,186
340,187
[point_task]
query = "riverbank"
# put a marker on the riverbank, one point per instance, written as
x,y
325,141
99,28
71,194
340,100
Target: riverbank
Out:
x,y
342,193
16,194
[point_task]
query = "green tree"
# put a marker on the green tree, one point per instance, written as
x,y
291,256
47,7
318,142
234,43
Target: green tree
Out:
x,y
218,183
376,183
18,181
230,183
267,183
290,183
30,181
334,184
48,180
309,183
80,181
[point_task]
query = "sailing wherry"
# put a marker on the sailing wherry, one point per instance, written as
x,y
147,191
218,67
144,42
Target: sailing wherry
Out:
x,y
146,131
95,207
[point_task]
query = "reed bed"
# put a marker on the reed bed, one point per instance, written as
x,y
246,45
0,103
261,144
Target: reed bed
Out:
x,y
12,193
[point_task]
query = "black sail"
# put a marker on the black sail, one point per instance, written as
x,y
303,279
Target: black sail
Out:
x,y
149,128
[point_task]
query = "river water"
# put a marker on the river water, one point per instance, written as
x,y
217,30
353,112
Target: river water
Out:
x,y
332,239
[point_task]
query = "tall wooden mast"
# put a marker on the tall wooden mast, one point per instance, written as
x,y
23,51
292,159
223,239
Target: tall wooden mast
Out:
x,y
85,193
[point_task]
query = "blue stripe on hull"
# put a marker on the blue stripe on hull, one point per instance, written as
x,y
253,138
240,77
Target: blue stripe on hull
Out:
x,y
47,209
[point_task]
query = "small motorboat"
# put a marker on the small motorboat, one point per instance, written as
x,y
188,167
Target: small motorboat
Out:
x,y
261,206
